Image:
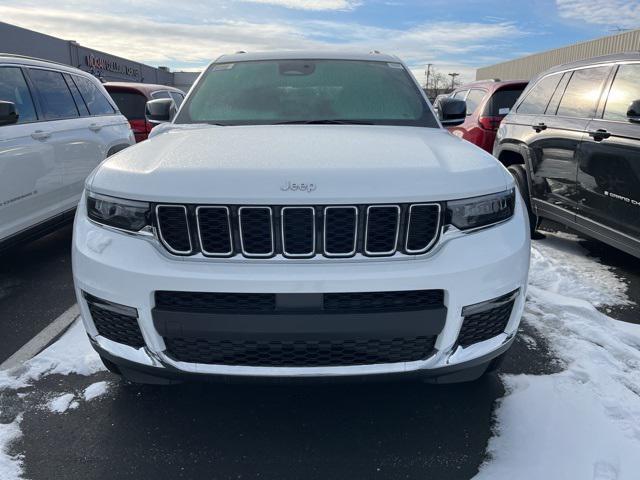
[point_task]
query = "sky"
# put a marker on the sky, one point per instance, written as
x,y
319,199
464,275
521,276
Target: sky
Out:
x,y
454,36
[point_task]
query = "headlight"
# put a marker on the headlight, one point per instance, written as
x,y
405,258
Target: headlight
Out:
x,y
116,212
481,211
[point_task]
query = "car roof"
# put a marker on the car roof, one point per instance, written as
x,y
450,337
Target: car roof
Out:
x,y
307,55
39,62
617,57
493,85
145,88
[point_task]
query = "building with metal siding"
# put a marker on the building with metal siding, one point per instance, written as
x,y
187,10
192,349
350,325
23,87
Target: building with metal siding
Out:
x,y
107,67
528,67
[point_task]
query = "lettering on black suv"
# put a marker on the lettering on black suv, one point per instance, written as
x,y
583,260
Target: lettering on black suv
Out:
x,y
624,199
290,186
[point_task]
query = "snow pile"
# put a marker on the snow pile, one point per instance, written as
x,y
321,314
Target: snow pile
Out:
x,y
583,422
62,403
71,354
95,390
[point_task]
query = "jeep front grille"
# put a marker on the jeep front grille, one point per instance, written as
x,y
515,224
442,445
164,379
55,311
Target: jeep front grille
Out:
x,y
298,231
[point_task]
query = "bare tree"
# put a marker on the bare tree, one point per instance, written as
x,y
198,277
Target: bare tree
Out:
x,y
437,83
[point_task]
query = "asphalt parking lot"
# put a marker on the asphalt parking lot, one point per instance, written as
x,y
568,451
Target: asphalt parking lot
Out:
x,y
372,430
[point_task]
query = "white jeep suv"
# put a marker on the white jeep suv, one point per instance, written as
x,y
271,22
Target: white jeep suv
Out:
x,y
57,124
303,215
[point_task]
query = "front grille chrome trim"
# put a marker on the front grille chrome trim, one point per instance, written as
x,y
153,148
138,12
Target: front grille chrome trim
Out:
x,y
164,242
435,237
256,255
205,252
366,231
312,252
326,252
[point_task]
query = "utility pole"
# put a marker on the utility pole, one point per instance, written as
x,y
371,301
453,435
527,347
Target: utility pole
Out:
x,y
426,85
453,79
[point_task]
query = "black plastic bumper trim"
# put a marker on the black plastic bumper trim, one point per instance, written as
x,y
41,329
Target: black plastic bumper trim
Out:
x,y
292,324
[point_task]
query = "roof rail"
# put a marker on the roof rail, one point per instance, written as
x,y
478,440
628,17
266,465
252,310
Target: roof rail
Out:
x,y
27,57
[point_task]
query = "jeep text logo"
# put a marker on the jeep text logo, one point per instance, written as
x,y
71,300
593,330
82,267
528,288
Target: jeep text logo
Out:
x,y
298,187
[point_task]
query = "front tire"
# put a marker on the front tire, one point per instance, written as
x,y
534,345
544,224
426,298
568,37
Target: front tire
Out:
x,y
520,176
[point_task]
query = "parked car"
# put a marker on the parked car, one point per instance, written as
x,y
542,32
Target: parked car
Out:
x,y
131,99
488,102
303,215
573,144
56,125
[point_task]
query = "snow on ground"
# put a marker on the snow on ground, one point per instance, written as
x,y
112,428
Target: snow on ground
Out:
x,y
10,466
62,403
95,390
584,422
72,353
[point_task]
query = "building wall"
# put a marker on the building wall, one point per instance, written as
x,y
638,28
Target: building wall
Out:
x,y
184,80
527,67
108,67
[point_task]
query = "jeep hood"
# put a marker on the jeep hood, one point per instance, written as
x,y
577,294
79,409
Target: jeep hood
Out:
x,y
345,163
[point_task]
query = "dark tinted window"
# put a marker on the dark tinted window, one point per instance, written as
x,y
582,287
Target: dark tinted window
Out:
x,y
581,97
538,97
55,97
96,102
82,108
504,98
160,94
625,89
299,91
130,104
552,108
13,88
473,100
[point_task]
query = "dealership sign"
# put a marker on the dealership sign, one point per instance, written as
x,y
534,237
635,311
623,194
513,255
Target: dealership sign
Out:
x,y
103,63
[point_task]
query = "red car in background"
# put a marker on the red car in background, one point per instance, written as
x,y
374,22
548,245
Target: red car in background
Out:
x,y
131,99
488,102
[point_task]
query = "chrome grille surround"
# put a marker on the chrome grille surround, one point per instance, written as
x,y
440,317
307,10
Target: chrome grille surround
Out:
x,y
326,252
245,252
161,236
202,208
367,233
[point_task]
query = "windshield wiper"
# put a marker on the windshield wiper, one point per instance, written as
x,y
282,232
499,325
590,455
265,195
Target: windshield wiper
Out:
x,y
325,122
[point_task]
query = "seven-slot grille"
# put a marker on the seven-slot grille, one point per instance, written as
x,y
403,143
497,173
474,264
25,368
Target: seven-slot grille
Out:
x,y
298,231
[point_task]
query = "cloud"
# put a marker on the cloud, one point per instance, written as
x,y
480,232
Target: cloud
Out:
x,y
197,36
615,13
311,4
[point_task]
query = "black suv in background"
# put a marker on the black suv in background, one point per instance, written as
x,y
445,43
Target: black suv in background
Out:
x,y
572,142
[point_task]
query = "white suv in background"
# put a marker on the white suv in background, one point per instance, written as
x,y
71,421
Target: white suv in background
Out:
x,y
57,124
304,215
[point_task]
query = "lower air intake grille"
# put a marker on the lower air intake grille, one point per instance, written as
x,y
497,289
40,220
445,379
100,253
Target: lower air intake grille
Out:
x,y
486,320
216,302
384,301
115,322
300,353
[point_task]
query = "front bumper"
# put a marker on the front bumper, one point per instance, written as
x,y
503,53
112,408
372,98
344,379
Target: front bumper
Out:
x,y
470,268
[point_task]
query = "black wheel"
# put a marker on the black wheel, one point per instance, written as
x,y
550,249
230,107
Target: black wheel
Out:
x,y
520,176
112,367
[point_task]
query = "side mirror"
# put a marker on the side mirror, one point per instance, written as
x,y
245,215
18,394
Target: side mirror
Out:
x,y
8,113
160,110
633,112
452,112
